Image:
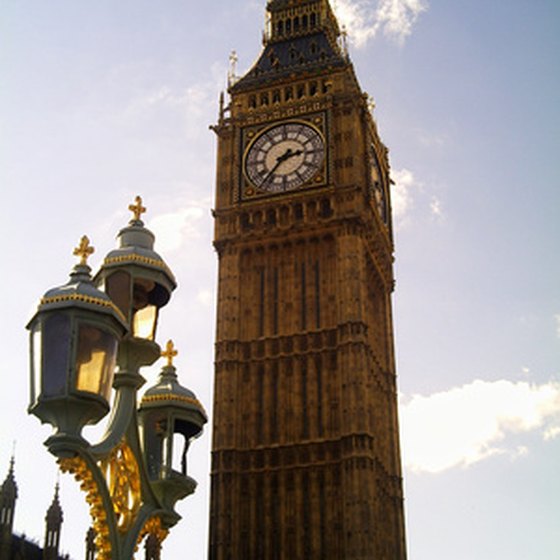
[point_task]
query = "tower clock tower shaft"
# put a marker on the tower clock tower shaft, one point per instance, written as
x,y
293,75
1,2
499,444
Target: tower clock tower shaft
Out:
x,y
306,460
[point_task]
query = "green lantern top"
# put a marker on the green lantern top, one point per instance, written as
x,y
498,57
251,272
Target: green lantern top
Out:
x,y
168,393
136,256
80,291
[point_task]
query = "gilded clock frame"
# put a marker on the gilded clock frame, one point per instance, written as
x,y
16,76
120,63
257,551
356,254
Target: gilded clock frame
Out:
x,y
250,134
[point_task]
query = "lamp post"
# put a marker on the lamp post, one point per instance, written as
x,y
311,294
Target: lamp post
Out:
x,y
80,332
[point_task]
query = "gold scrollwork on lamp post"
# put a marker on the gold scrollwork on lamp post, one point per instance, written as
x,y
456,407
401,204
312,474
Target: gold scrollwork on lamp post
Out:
x,y
77,467
153,527
123,481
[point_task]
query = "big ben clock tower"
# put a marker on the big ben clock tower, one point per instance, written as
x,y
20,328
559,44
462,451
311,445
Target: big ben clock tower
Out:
x,y
306,461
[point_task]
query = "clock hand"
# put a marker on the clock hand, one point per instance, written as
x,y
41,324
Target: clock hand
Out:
x,y
292,154
281,159
274,168
289,154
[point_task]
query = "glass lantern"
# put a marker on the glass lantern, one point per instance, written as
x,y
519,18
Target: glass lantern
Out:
x,y
136,278
171,417
74,340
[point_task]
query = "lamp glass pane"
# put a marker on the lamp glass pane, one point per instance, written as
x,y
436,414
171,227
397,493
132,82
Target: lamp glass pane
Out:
x,y
36,358
95,361
118,289
180,448
56,349
144,322
153,434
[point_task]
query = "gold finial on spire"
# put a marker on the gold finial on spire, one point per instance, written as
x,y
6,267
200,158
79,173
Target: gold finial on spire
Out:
x,y
84,250
232,74
170,352
137,209
344,41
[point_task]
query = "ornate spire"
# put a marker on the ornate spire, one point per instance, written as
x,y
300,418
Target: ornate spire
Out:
x,y
53,521
55,516
9,490
232,72
91,549
8,496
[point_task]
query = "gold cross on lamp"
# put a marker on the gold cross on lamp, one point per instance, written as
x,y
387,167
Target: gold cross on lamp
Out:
x,y
170,352
84,250
137,209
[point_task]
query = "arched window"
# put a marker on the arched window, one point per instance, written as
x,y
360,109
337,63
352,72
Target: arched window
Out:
x,y
325,210
245,221
271,216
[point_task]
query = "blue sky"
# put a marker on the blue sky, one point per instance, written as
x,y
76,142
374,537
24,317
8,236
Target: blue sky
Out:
x,y
100,101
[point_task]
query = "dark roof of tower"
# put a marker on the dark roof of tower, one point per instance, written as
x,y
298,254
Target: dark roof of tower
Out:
x,y
9,490
309,49
25,549
274,4
309,54
54,513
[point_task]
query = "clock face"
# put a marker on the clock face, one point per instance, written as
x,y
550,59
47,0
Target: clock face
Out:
x,y
284,157
377,186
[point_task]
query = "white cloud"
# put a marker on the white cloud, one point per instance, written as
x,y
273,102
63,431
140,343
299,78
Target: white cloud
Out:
x,y
406,191
164,107
401,194
358,19
436,208
432,139
468,424
174,228
551,433
191,105
363,20
397,17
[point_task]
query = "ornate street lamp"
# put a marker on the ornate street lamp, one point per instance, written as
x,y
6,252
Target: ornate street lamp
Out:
x,y
169,410
78,334
74,337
